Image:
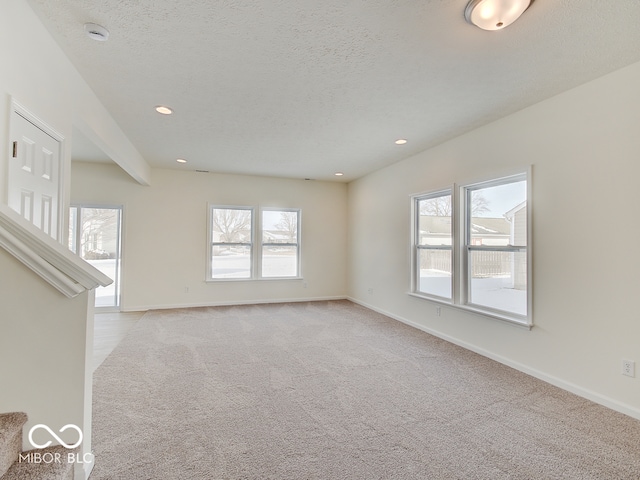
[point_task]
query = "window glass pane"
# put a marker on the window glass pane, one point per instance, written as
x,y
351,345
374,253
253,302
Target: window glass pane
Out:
x,y
279,226
99,244
498,215
498,280
73,224
434,272
231,261
230,225
434,224
280,261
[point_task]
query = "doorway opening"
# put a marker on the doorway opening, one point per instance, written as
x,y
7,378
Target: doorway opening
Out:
x,y
95,235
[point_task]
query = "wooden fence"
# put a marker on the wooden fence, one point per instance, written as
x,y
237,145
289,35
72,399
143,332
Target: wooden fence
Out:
x,y
484,264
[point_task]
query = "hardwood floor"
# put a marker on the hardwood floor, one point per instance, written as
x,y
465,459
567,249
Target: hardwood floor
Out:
x,y
109,329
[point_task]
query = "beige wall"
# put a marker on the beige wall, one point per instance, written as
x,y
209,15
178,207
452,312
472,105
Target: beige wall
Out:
x,y
584,148
165,235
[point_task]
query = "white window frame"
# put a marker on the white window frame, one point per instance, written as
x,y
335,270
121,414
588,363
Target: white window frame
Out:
x,y
263,244
255,247
211,243
461,277
416,247
75,230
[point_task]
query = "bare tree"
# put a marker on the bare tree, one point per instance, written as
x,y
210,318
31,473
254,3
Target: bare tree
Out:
x,y
436,207
479,204
231,223
97,230
441,206
289,225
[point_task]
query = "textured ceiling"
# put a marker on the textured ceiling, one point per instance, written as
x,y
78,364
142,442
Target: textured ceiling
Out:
x,y
303,89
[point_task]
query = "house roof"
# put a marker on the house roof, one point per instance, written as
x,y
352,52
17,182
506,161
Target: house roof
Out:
x,y
515,210
486,226
490,226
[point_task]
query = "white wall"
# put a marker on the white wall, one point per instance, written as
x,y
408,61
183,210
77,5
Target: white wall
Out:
x,y
165,234
44,353
584,146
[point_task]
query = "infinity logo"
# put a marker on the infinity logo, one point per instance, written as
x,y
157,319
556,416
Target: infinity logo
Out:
x,y
66,427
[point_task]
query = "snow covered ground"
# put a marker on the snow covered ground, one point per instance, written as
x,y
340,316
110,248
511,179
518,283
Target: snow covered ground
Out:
x,y
494,292
237,266
106,296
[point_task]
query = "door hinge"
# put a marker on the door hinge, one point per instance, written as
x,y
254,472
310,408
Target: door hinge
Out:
x,y
15,149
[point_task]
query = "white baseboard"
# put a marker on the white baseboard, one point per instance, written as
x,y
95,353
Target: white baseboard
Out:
x,y
83,470
144,308
558,382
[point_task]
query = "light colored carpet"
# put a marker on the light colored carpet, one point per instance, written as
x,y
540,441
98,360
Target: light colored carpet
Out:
x,y
11,425
37,464
331,390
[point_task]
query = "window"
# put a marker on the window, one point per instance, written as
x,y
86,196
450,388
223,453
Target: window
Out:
x,y
495,245
231,242
472,251
280,243
236,254
434,244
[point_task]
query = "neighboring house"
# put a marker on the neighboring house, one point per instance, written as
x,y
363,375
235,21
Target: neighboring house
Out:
x,y
277,236
511,229
517,217
435,230
240,236
490,231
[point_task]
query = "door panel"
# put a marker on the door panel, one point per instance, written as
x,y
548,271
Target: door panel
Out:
x,y
34,175
26,205
46,211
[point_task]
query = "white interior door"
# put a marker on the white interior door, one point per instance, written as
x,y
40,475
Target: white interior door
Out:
x,y
34,175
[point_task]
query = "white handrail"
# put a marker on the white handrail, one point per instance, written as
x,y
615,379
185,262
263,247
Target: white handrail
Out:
x,y
65,271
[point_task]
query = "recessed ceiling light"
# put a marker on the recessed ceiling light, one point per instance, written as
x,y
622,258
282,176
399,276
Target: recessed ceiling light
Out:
x,y
96,32
164,110
401,141
181,160
338,174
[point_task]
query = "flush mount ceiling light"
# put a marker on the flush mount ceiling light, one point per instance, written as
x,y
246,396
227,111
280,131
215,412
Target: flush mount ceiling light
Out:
x,y
401,141
96,32
164,110
338,174
181,160
495,14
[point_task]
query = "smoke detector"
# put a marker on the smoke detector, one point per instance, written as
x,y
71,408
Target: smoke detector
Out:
x,y
96,32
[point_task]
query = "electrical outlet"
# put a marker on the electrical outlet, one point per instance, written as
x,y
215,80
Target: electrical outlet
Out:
x,y
370,290
629,368
438,311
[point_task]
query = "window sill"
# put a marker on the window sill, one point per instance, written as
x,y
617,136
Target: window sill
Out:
x,y
515,321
